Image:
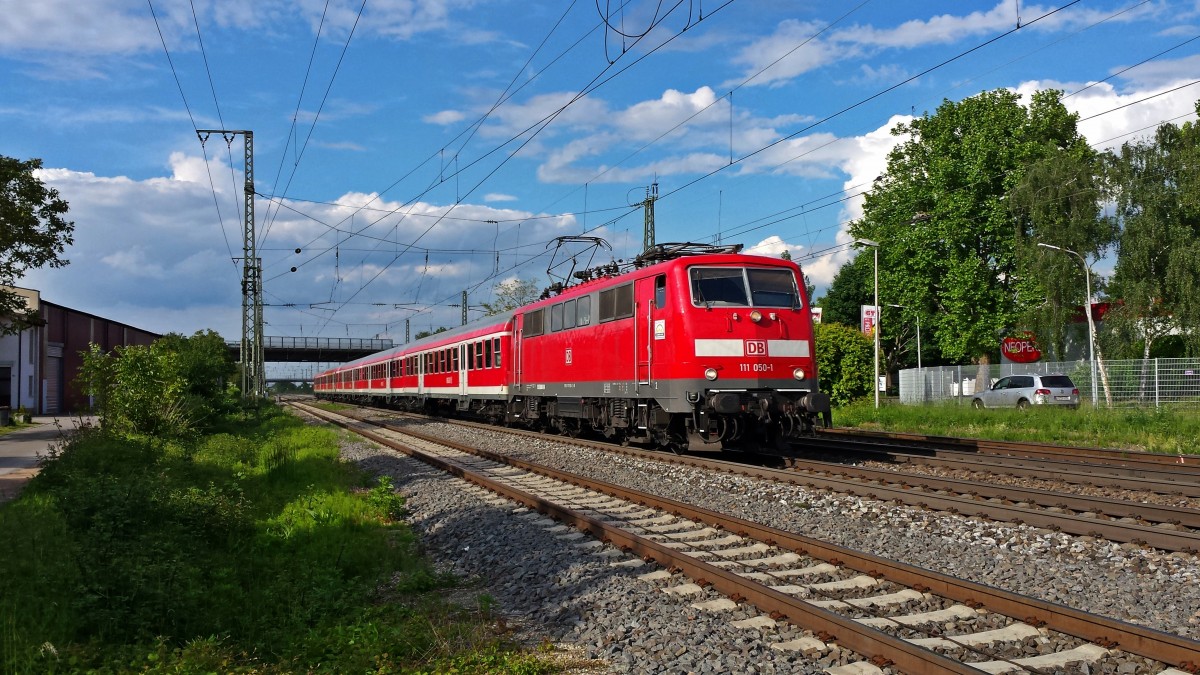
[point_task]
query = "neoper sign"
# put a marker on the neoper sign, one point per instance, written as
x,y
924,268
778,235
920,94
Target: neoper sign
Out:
x,y
1021,348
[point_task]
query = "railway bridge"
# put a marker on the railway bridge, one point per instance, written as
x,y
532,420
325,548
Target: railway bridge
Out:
x,y
311,350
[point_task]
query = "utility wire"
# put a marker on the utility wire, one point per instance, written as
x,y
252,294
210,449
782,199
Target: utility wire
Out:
x,y
212,186
321,107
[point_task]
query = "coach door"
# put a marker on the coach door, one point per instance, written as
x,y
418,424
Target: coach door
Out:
x,y
462,369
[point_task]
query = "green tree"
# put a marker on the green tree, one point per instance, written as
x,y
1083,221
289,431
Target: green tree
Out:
x,y
427,333
512,294
172,388
1057,202
206,365
33,234
949,244
852,287
1156,185
844,365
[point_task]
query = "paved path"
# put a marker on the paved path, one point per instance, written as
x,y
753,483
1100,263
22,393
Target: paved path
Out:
x,y
19,450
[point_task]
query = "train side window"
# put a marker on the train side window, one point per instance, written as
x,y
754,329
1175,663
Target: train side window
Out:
x,y
470,356
660,291
556,318
608,305
487,358
568,314
496,351
534,323
479,356
624,304
454,359
584,311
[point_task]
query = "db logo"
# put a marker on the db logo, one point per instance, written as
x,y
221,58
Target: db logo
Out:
x,y
756,347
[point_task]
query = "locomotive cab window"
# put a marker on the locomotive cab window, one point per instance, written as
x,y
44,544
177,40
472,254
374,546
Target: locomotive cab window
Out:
x,y
660,291
740,287
773,288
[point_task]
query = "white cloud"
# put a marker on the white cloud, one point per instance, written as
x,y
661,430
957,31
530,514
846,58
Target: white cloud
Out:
x,y
445,117
795,48
498,197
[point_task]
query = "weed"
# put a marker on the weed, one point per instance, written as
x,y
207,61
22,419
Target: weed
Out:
x,y
249,550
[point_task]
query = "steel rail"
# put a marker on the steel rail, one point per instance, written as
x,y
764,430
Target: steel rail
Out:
x,y
915,495
1157,645
883,648
1069,472
1118,508
1186,463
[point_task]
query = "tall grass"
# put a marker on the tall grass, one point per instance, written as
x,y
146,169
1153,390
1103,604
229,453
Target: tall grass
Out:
x,y
1155,430
252,550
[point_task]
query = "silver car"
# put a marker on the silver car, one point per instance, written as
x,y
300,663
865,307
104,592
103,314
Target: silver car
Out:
x,y
1021,391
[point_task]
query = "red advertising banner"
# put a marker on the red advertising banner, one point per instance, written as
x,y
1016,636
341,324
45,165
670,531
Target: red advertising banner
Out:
x,y
869,319
1021,348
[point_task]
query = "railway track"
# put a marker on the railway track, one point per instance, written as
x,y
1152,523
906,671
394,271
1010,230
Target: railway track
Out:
x,y
1098,461
892,614
1130,522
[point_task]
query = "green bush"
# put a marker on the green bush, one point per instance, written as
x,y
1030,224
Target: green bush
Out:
x,y
133,553
843,362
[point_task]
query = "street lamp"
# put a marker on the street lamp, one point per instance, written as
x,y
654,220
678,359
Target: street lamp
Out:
x,y
1087,279
874,245
920,373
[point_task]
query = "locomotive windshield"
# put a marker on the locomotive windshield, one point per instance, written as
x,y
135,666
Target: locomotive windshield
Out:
x,y
743,287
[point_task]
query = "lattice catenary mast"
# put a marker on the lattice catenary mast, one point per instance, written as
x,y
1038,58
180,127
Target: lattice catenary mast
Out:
x,y
254,379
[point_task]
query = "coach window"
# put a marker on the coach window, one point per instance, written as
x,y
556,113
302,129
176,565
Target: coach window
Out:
x,y
478,356
496,349
583,311
454,359
487,356
568,314
556,318
660,291
470,356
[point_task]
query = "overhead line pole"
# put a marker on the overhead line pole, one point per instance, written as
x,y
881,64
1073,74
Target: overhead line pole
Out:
x,y
253,369
648,234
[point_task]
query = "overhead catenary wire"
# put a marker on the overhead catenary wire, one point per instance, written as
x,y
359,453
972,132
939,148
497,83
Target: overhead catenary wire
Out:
x,y
212,186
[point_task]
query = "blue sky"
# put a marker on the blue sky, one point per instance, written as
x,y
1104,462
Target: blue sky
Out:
x,y
424,147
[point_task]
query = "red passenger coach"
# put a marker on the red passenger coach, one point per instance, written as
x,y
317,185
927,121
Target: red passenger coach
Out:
x,y
695,344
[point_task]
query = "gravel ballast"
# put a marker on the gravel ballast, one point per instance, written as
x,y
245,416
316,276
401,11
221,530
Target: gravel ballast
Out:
x,y
570,591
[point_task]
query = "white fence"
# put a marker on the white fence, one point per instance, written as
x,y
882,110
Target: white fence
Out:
x,y
1133,382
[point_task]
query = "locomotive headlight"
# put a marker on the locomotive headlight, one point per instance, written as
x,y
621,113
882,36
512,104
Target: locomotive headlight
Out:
x,y
755,316
710,374
798,373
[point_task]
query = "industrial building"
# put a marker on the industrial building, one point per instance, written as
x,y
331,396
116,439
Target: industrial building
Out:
x,y
39,364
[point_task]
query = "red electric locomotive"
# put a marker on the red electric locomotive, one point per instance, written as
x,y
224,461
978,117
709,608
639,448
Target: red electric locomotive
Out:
x,y
695,345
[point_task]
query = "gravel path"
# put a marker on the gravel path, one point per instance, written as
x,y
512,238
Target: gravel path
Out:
x,y
577,597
